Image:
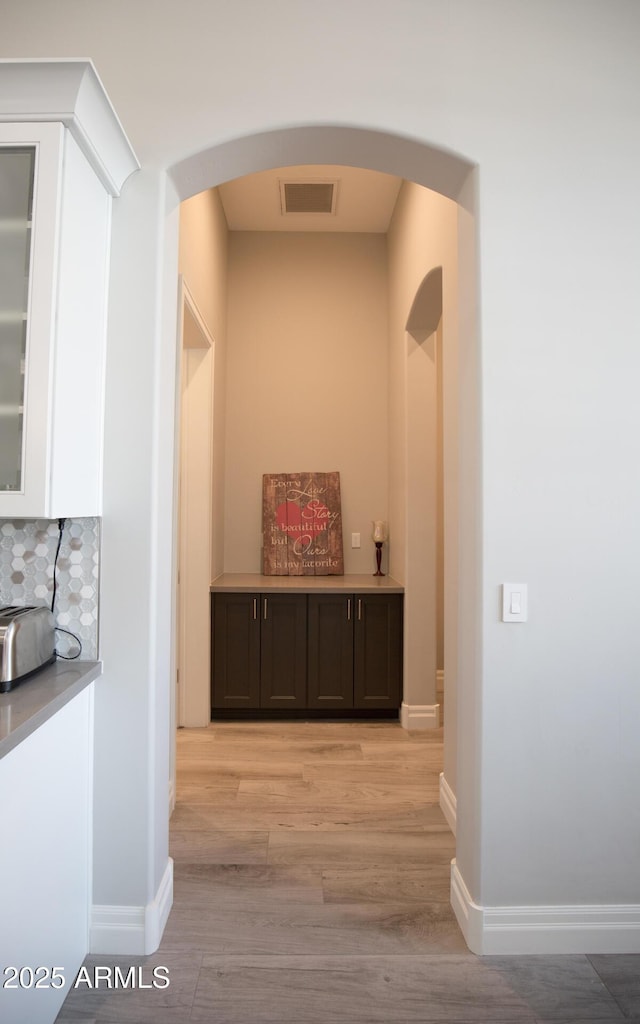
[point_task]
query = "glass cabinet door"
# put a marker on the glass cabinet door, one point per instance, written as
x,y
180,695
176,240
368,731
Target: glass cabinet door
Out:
x,y
16,202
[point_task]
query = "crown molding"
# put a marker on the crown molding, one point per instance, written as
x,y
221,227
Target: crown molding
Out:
x,y
70,91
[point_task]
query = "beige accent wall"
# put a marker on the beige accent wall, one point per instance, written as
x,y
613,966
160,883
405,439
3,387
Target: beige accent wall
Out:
x,y
422,237
203,264
306,379
439,505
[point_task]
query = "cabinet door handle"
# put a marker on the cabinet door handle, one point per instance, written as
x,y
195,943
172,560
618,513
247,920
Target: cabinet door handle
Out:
x,y
348,609
359,609
265,608
255,607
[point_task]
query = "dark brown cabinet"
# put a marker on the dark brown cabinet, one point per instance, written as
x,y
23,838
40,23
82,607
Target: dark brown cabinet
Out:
x,y
259,651
235,652
325,653
330,661
377,657
355,651
283,651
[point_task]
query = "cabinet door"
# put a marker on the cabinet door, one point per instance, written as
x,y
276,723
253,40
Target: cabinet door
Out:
x,y
54,259
235,658
16,200
30,166
330,656
378,651
283,651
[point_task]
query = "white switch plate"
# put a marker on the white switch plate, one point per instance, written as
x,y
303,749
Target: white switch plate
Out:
x,y
355,540
514,602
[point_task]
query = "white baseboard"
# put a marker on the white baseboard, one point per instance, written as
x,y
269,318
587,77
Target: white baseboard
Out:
x,y
117,930
553,929
448,803
132,931
157,912
419,716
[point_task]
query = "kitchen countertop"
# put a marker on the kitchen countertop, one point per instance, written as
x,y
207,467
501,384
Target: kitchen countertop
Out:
x,y
39,697
353,583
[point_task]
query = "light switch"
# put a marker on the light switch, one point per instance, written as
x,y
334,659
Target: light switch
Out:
x,y
355,540
514,602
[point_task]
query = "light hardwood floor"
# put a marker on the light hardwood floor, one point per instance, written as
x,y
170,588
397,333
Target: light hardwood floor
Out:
x,y
312,887
312,838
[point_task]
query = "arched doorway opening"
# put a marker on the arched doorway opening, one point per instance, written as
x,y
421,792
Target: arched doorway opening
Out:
x,y
454,178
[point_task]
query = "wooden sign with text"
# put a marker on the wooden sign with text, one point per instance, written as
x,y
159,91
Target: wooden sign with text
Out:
x,y
301,525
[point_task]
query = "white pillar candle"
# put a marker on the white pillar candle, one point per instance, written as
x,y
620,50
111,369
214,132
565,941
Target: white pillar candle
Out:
x,y
379,530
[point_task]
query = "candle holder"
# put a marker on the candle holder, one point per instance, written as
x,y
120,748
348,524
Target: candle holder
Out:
x,y
379,535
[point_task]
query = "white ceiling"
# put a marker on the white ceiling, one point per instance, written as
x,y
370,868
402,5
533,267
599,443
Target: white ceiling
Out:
x,y
365,200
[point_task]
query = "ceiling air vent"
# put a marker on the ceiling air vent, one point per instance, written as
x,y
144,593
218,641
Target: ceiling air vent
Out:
x,y
308,196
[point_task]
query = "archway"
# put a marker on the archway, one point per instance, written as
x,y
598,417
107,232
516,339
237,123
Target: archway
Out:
x,y
453,177
444,172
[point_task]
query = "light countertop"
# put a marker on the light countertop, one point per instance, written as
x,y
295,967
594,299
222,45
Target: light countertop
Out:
x,y
256,583
39,697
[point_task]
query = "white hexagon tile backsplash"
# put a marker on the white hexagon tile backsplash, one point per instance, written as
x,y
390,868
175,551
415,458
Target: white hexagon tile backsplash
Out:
x,y
27,554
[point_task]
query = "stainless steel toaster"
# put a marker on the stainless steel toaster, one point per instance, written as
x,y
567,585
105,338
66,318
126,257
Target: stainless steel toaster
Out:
x,y
27,643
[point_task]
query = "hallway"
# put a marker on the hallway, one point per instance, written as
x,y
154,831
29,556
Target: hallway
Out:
x,y
312,885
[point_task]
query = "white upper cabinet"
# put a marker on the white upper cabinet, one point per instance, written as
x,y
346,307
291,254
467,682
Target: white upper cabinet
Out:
x,y
58,175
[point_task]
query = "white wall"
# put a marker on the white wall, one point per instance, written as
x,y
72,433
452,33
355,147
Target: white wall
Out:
x,y
306,379
132,700
543,98
560,700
